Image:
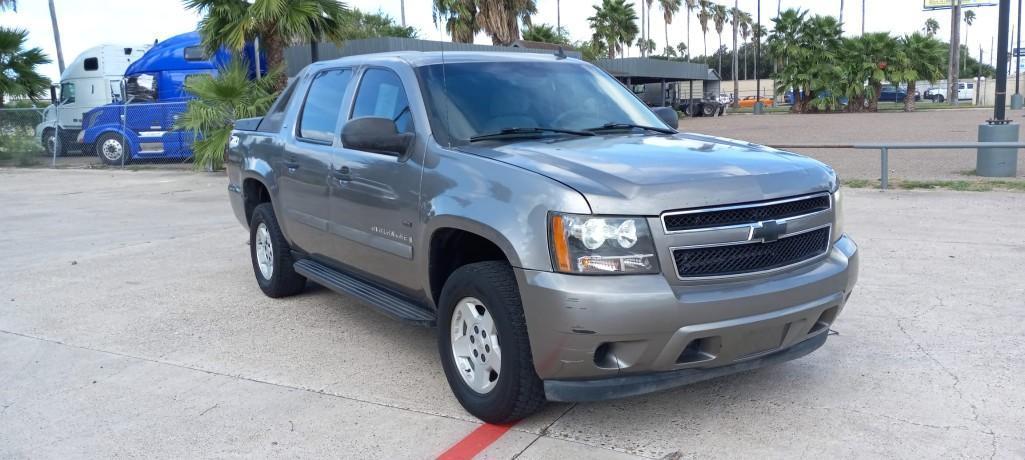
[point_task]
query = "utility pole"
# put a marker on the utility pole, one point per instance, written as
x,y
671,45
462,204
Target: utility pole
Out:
x,y
57,37
1017,101
953,65
990,161
644,36
736,83
759,107
402,11
862,17
558,16
841,14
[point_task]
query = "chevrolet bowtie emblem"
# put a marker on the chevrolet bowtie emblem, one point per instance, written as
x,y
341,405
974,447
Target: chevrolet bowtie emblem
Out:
x,y
767,231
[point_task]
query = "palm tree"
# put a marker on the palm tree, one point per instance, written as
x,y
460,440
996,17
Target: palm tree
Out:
x,y
19,77
614,23
931,27
669,8
276,23
691,6
646,46
460,17
876,51
682,49
745,23
545,33
923,58
220,101
704,15
720,15
12,4
501,18
969,18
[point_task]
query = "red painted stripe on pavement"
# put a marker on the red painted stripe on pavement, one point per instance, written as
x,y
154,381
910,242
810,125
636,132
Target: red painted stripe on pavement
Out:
x,y
475,442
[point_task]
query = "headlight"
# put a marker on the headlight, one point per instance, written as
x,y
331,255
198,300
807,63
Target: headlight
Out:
x,y
601,244
838,212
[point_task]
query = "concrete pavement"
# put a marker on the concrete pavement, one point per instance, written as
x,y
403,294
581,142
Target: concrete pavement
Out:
x,y
130,325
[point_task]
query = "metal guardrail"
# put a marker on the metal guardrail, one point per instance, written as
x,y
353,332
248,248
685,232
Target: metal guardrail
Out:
x,y
885,147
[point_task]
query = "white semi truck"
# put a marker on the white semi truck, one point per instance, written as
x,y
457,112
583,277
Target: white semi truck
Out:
x,y
93,79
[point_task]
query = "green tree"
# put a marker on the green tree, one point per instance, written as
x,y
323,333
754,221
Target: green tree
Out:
x,y
720,15
277,23
368,25
219,102
923,59
501,18
18,75
931,27
615,24
876,51
969,19
9,4
681,48
691,6
704,15
647,46
460,17
591,50
546,33
806,53
669,9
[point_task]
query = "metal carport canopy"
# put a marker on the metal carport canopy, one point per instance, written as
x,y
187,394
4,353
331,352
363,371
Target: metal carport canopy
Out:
x,y
645,70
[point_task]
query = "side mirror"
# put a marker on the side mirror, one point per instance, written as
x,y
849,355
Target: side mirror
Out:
x,y
375,134
667,115
53,94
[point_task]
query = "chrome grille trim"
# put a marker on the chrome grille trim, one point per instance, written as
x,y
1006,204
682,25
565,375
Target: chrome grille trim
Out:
x,y
665,228
825,253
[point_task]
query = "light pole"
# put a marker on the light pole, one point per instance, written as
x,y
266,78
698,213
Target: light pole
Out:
x,y
57,37
990,161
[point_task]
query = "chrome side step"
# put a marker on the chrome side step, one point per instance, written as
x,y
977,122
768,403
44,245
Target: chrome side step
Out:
x,y
384,301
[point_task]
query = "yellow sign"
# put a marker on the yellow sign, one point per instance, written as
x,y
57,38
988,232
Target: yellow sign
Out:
x,y
942,4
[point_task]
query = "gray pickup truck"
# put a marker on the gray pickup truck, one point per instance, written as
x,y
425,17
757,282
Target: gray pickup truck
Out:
x,y
565,240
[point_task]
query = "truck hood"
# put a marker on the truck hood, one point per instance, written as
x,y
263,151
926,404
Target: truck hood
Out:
x,y
645,175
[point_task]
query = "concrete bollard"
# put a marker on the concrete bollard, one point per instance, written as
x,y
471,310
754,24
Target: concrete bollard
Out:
x,y
1017,101
997,162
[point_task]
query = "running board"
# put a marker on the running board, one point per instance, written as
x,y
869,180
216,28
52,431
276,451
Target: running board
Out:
x,y
384,301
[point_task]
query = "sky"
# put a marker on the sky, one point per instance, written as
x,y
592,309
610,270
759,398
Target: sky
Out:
x,y
87,23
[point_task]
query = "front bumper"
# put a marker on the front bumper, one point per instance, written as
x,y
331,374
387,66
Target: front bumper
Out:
x,y
620,334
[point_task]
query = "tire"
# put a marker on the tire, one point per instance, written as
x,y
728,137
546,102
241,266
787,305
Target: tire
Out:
x,y
276,276
50,143
938,99
113,150
708,110
516,390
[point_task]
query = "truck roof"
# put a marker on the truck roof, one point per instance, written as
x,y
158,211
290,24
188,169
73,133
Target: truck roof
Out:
x,y
170,55
426,58
108,60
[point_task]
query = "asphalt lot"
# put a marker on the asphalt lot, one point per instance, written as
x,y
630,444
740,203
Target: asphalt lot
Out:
x,y
131,326
948,125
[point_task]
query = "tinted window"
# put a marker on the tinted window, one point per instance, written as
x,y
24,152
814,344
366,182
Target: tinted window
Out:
x,y
381,95
92,63
323,105
475,98
271,123
195,53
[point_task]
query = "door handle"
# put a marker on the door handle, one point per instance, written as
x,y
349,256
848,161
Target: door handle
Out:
x,y
343,174
291,164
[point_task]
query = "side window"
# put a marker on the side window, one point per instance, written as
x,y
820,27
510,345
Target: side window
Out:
x,y
971,85
91,63
195,53
323,105
271,123
381,95
67,93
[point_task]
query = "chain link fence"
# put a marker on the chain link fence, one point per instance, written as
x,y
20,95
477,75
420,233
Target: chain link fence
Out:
x,y
19,144
67,135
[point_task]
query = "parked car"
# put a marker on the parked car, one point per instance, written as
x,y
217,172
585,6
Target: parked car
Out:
x,y
890,93
965,92
749,101
566,241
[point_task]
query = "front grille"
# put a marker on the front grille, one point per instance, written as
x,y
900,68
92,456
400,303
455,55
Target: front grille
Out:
x,y
737,259
754,212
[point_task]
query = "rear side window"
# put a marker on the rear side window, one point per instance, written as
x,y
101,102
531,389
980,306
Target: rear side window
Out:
x,y
381,95
323,105
91,63
271,123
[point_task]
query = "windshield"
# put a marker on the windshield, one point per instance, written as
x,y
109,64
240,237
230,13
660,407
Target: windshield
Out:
x,y
67,93
467,100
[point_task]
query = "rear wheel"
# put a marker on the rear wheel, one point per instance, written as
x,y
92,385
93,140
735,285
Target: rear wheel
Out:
x,y
484,347
271,255
939,99
112,149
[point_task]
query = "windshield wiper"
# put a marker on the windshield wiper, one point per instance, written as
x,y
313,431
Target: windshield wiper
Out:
x,y
611,126
514,131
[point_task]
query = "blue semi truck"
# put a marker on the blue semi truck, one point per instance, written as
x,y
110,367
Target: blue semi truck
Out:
x,y
142,125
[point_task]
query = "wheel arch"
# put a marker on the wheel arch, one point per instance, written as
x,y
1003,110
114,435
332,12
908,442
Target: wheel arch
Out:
x,y
454,242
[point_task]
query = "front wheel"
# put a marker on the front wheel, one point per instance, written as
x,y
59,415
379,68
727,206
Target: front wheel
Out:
x,y
938,99
271,255
112,149
484,346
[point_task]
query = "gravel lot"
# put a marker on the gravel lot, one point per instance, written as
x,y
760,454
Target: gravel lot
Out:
x,y
844,128
131,326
